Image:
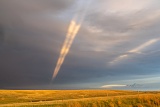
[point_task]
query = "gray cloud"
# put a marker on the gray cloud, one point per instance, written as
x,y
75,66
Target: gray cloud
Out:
x,y
32,33
28,40
1,34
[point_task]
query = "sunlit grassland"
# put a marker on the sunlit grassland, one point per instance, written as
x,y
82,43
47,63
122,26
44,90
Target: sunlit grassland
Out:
x,y
78,98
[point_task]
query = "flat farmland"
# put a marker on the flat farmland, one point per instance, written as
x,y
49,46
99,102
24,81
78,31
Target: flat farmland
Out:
x,y
79,98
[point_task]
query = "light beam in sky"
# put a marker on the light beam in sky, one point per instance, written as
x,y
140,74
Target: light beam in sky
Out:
x,y
73,29
135,50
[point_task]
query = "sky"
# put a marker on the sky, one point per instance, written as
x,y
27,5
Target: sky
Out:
x,y
79,44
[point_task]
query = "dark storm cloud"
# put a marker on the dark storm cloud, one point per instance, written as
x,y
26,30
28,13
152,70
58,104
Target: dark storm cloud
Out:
x,y
32,33
34,6
28,40
1,34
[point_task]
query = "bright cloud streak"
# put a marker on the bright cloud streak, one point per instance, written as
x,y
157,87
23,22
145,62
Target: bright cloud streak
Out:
x,y
73,29
113,85
135,50
138,49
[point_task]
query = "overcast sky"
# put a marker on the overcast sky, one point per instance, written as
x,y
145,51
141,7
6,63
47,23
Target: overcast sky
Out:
x,y
117,44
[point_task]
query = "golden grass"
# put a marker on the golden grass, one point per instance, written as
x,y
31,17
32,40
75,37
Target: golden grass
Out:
x,y
78,98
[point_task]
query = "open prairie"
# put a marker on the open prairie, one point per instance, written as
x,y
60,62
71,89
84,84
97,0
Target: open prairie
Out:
x,y
78,98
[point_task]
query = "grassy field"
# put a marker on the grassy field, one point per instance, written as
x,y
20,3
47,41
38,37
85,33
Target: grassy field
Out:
x,y
78,98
